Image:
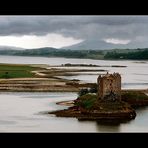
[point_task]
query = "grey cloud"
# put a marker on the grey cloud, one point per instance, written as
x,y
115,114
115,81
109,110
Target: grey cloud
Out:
x,y
84,27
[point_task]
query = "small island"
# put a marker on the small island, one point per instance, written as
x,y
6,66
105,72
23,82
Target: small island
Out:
x,y
106,102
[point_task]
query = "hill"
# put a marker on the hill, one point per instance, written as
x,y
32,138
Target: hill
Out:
x,y
102,45
134,54
11,48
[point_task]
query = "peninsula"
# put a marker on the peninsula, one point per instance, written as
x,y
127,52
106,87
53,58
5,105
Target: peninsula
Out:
x,y
41,78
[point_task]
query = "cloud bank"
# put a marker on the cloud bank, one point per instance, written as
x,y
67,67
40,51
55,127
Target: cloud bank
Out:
x,y
116,29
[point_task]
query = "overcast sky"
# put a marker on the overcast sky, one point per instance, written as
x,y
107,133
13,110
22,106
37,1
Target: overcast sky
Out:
x,y
58,31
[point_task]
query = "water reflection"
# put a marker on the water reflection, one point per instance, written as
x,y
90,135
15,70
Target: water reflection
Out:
x,y
108,127
2,122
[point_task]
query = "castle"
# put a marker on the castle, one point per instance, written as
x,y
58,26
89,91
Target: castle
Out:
x,y
109,87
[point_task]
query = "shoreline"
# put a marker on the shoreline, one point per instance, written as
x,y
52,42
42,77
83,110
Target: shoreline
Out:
x,y
48,87
99,116
46,78
47,84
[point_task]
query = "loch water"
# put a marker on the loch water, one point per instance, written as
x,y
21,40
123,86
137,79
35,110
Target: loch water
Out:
x,y
25,111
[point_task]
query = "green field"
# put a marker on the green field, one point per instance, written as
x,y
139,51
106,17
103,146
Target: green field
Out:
x,y
16,71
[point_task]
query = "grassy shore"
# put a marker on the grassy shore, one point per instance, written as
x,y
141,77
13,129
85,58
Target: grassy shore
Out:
x,y
17,71
24,77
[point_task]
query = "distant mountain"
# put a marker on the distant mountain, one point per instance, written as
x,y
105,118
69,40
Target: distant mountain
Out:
x,y
11,48
42,49
102,45
45,51
85,45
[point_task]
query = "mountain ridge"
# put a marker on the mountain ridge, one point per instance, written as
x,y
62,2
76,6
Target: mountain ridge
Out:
x,y
4,47
102,45
86,45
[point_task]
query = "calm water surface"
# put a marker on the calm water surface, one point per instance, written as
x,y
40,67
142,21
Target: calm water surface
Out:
x,y
23,112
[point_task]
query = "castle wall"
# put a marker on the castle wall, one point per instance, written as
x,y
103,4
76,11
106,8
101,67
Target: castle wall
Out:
x,y
110,83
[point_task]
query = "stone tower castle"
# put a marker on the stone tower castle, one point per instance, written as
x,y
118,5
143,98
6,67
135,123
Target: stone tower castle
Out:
x,y
109,87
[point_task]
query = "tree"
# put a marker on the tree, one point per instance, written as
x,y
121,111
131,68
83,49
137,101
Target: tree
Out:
x,y
6,75
93,90
83,92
